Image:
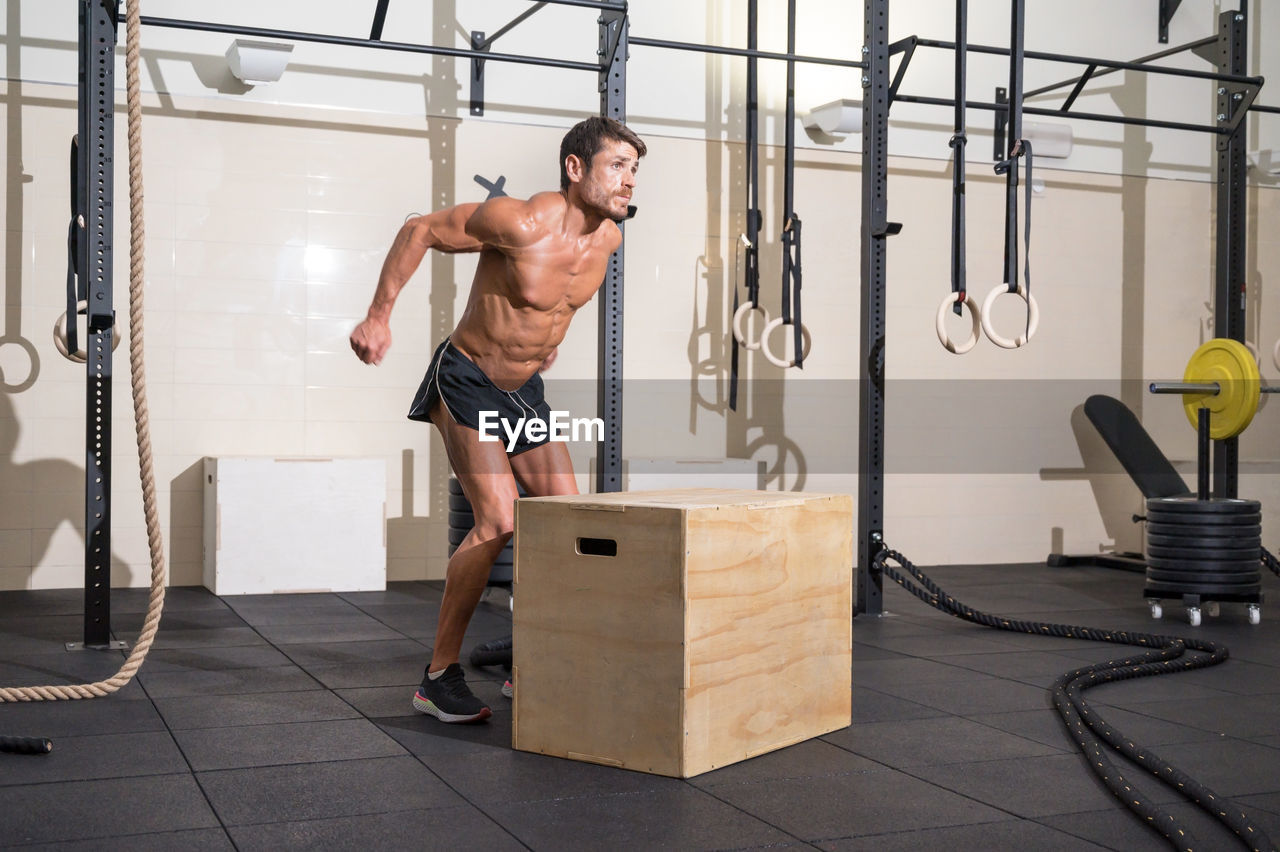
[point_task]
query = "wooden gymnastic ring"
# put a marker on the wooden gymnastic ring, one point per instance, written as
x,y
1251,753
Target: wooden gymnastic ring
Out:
x,y
80,356
744,309
944,338
773,359
996,338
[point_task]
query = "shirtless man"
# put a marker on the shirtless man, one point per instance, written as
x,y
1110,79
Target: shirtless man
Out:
x,y
540,260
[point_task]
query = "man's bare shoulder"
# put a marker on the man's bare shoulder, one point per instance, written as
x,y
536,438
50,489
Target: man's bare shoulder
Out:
x,y
507,222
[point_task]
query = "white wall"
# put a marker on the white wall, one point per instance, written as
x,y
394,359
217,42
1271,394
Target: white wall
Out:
x,y
691,94
269,212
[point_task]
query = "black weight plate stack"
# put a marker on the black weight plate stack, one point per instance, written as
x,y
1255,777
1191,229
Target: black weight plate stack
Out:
x,y
1203,547
461,520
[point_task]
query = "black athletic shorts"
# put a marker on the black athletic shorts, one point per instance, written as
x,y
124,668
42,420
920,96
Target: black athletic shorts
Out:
x,y
467,391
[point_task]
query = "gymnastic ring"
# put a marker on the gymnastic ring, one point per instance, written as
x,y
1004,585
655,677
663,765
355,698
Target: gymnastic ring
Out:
x,y
743,310
974,333
80,356
764,343
1005,342
32,355
1253,350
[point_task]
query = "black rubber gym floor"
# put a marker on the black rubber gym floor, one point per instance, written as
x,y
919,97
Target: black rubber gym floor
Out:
x,y
284,722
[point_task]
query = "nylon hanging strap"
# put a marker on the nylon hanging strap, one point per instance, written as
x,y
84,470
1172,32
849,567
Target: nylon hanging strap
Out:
x,y
957,143
1019,147
751,261
791,273
791,279
77,287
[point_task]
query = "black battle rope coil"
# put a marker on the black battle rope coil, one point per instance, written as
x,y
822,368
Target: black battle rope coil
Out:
x,y
958,141
26,745
1087,728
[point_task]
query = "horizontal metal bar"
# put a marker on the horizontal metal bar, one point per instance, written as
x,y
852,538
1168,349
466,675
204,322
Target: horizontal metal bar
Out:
x,y
1262,108
1085,116
738,51
1185,387
1141,59
1101,63
591,4
1212,388
379,19
346,41
511,25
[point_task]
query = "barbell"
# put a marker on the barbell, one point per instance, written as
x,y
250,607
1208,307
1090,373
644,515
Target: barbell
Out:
x,y
1223,377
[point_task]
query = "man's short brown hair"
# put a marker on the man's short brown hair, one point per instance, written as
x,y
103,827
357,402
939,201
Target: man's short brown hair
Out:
x,y
585,139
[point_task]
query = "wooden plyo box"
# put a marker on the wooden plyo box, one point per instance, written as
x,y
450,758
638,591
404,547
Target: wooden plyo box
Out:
x,y
675,632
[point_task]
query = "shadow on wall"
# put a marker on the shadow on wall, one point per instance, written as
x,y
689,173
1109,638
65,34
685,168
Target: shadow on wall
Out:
x,y
19,360
1114,493
41,496
758,427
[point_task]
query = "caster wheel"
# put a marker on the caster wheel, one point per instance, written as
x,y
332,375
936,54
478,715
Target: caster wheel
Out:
x,y
1211,609
1193,615
1156,609
1255,614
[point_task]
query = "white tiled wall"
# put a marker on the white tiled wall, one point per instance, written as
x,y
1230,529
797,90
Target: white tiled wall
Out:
x,y
267,226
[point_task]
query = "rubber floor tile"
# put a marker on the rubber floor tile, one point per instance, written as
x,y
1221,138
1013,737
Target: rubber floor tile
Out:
x,y
324,790
816,758
468,828
1010,834
198,684
100,756
854,804
939,741
271,745
79,810
262,708
1034,787
193,840
79,718
496,777
679,818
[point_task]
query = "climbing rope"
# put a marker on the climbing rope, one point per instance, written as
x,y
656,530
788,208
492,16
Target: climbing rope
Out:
x,y
137,240
1087,728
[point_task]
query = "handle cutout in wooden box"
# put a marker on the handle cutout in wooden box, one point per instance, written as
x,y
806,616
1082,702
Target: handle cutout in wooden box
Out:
x,y
597,547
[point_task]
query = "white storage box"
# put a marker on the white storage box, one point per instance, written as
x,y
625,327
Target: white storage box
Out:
x,y
294,525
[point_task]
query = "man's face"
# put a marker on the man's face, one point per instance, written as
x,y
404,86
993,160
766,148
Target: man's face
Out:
x,y
606,187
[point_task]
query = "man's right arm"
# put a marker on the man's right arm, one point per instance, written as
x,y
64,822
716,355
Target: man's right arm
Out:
x,y
445,230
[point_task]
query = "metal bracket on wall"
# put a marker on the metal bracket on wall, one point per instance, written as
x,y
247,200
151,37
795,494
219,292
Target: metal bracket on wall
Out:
x,y
477,72
1000,151
1168,8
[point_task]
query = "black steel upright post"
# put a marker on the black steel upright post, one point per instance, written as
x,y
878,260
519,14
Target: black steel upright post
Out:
x,y
613,104
875,230
1232,230
94,267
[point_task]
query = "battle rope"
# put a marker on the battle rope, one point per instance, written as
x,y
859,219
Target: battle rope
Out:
x,y
1087,728
137,242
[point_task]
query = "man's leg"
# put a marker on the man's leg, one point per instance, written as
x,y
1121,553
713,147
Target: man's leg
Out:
x,y
486,478
545,471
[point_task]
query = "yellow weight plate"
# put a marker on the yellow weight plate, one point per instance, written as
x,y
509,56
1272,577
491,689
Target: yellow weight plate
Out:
x,y
1231,365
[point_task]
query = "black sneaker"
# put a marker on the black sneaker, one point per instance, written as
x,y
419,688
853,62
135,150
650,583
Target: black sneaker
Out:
x,y
448,698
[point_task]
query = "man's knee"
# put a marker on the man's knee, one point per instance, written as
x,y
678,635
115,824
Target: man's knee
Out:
x,y
494,527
